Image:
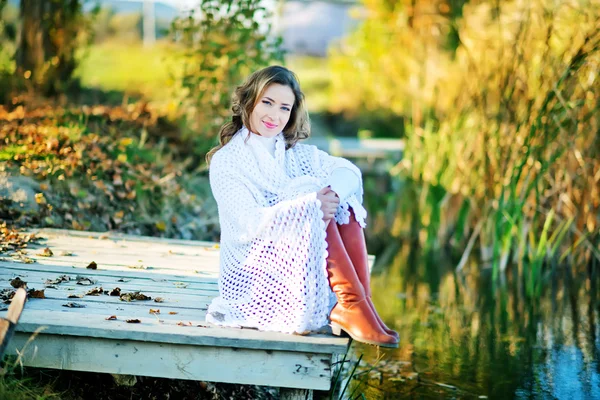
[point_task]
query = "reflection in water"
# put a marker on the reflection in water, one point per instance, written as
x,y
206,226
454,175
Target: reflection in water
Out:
x,y
461,338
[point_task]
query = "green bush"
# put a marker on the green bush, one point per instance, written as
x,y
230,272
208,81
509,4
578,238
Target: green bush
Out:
x,y
221,46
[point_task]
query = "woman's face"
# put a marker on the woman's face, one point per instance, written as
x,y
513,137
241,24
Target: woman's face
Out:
x,y
273,110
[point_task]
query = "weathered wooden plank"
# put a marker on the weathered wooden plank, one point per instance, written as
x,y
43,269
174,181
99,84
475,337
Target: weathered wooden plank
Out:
x,y
116,262
48,266
133,251
94,325
122,310
217,364
50,232
168,300
360,148
68,243
37,280
196,303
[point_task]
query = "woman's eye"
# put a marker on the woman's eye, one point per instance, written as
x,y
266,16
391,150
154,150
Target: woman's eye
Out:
x,y
267,102
285,109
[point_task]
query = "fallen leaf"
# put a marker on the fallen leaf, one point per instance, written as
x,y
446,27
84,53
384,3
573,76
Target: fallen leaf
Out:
x,y
36,294
46,253
158,299
123,280
60,279
153,311
7,294
92,265
75,296
81,280
184,324
74,305
111,318
173,312
133,321
18,283
180,285
97,291
66,253
134,296
115,292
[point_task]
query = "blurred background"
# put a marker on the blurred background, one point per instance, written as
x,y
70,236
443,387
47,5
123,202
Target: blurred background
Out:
x,y
475,123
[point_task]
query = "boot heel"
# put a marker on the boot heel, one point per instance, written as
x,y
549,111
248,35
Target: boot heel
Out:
x,y
336,329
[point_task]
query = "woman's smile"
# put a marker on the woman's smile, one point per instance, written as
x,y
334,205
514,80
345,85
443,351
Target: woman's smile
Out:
x,y
269,125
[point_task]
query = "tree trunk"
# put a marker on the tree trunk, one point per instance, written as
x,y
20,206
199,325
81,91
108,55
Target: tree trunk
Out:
x,y
30,54
47,43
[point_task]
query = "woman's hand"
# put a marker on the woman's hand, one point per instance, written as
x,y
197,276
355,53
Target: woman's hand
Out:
x,y
329,202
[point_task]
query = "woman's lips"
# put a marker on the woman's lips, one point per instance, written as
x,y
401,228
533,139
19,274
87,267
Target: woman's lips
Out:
x,y
269,125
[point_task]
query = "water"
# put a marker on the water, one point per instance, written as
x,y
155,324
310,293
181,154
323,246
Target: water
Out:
x,y
461,337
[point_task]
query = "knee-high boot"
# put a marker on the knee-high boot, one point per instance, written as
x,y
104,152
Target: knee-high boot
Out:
x,y
354,241
352,313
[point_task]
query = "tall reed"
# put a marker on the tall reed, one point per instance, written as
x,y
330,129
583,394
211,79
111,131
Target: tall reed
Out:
x,y
502,134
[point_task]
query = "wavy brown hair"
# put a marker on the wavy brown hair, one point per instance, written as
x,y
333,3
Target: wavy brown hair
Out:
x,y
247,96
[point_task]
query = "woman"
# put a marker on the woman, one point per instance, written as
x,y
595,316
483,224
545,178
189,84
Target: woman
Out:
x,y
291,221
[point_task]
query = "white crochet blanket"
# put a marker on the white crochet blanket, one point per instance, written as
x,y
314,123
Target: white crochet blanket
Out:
x,y
273,250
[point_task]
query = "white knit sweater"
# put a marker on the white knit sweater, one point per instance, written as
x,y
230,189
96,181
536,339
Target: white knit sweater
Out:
x,y
343,181
273,251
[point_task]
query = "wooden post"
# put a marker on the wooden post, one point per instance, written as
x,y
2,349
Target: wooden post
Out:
x,y
7,325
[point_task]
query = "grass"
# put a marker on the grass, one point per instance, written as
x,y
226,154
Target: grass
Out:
x,y
130,68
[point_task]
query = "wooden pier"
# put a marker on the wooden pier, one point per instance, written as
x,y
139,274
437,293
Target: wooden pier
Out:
x,y
163,336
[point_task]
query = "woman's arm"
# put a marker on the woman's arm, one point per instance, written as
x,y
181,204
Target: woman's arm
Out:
x,y
344,182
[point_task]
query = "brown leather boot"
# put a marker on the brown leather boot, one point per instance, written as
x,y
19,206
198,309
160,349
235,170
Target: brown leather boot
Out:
x,y
354,241
352,313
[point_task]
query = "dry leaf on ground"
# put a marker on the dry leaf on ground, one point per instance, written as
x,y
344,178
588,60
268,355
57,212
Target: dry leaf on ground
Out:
x,y
18,283
45,253
82,280
74,305
36,294
134,296
97,291
60,279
